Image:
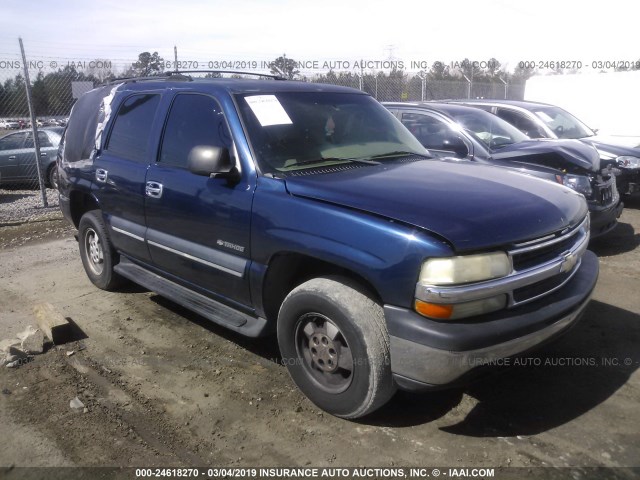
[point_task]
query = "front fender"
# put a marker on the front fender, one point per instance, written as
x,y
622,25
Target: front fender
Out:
x,y
387,254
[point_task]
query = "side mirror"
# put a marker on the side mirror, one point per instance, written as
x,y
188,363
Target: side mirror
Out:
x,y
455,145
210,161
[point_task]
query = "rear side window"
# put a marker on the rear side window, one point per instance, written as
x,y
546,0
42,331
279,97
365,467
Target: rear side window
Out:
x,y
130,134
43,139
193,120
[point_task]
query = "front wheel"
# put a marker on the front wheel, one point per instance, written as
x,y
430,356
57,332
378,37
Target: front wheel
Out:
x,y
98,255
334,342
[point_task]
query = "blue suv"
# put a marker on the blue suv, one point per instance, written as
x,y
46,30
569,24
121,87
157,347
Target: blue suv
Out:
x,y
311,212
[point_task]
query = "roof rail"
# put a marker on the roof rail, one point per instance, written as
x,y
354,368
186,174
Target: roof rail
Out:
x,y
237,72
164,76
184,75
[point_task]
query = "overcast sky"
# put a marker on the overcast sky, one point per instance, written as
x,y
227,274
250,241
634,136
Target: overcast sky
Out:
x,y
321,30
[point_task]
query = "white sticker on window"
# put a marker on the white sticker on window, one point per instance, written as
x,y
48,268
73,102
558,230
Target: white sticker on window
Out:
x,y
544,117
268,110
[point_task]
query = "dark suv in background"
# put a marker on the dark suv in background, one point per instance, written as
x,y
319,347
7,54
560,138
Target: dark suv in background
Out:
x,y
541,120
310,211
471,134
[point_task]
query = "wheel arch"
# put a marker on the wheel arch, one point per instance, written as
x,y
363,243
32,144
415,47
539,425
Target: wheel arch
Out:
x,y
287,270
81,203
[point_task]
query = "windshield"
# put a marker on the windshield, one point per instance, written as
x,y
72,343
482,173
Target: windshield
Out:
x,y
292,131
490,129
562,123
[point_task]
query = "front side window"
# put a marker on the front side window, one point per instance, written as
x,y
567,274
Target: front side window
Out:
x,y
130,133
193,120
292,131
562,123
493,131
434,134
522,123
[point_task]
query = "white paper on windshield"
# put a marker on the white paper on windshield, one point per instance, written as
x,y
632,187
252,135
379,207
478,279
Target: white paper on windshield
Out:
x,y
544,117
268,110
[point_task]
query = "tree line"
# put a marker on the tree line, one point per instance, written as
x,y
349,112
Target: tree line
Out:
x,y
52,91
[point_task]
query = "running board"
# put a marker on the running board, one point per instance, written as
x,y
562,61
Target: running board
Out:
x,y
210,309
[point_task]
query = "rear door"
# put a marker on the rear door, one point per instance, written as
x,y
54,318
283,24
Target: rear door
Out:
x,y
198,227
27,160
121,168
11,147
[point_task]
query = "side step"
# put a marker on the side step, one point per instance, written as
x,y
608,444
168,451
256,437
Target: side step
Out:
x,y
205,306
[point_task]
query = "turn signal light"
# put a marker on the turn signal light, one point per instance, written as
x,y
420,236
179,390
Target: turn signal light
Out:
x,y
434,310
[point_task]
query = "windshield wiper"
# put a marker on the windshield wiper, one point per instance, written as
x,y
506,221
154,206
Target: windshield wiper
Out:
x,y
502,145
337,159
398,153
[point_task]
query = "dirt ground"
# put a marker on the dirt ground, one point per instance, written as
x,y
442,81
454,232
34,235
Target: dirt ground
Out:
x,y
164,387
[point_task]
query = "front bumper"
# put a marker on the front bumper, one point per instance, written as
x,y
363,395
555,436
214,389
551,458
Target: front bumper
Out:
x,y
605,220
628,180
427,353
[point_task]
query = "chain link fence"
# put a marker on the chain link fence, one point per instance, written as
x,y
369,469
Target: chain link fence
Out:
x,y
397,86
28,149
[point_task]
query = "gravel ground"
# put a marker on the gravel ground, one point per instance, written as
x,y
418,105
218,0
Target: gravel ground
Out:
x,y
21,206
165,387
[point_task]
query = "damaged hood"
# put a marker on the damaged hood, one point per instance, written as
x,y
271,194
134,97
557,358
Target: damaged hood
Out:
x,y
575,152
473,206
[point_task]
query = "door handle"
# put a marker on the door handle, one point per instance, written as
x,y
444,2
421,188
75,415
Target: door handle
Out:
x,y
43,154
101,175
153,189
12,157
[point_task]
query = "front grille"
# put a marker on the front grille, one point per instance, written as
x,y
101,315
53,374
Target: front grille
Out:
x,y
529,259
551,249
535,290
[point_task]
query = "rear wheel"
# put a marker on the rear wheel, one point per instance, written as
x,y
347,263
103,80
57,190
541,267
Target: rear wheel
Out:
x,y
52,176
334,342
97,253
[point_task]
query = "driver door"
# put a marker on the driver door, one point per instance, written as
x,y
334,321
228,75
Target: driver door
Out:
x,y
198,228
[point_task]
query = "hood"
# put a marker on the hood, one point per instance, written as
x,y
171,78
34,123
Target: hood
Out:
x,y
610,148
574,152
474,207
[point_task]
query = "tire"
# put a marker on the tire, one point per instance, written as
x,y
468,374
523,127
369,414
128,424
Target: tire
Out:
x,y
97,254
52,176
334,341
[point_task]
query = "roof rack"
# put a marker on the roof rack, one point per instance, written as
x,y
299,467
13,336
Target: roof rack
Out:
x,y
184,75
237,72
164,76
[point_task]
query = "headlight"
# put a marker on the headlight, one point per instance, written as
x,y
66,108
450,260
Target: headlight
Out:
x,y
465,269
579,183
627,161
461,270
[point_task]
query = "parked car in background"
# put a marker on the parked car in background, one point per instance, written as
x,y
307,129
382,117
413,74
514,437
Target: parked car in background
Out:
x,y
9,124
473,134
18,157
541,120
